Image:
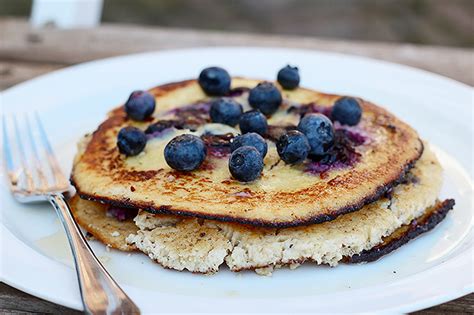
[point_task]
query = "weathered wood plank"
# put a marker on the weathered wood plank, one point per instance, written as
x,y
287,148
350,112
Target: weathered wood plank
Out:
x,y
13,301
15,72
50,45
16,302
464,305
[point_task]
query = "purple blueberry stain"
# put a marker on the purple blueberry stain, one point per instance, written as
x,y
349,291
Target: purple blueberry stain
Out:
x,y
158,134
310,108
238,91
218,145
340,156
121,214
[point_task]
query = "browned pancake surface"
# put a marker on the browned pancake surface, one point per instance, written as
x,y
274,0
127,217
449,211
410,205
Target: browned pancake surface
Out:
x,y
284,196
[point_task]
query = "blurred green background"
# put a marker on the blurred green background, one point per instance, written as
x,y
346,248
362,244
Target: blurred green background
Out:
x,y
436,22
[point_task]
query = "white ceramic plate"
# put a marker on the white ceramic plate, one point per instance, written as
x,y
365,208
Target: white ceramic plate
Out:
x,y
434,268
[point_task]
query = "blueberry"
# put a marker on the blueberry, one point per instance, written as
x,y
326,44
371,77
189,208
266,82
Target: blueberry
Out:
x,y
246,164
265,97
140,105
185,152
289,77
253,121
225,111
214,81
319,131
293,147
251,139
131,141
347,111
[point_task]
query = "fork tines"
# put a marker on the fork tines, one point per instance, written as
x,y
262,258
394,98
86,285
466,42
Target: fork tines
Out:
x,y
31,165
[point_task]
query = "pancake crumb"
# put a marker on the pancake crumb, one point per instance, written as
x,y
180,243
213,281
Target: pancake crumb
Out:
x,y
202,245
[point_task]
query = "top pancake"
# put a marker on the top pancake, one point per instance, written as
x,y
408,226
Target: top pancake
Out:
x,y
284,196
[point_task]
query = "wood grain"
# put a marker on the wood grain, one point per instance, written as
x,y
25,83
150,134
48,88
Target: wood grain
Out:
x,y
464,305
13,301
49,45
14,72
26,53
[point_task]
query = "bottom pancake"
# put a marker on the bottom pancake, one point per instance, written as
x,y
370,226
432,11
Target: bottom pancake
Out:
x,y
405,233
202,245
102,224
399,237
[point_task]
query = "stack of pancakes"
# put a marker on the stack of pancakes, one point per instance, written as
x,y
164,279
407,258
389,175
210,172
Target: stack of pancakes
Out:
x,y
200,220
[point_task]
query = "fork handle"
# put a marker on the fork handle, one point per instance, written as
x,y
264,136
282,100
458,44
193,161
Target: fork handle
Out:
x,y
99,292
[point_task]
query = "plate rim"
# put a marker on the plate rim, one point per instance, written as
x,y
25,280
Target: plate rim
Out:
x,y
426,302
222,48
9,236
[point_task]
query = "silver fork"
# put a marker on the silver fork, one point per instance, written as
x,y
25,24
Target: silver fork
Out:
x,y
36,179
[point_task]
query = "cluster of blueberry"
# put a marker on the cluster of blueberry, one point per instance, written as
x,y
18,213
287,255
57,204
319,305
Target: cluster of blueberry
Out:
x,y
139,106
313,137
187,152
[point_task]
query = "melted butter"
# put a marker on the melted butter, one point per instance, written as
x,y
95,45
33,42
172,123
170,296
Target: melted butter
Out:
x,y
179,98
282,118
217,129
194,93
105,260
282,177
153,158
56,246
276,177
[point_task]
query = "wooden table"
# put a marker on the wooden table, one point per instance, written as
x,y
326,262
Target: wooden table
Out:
x,y
26,53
